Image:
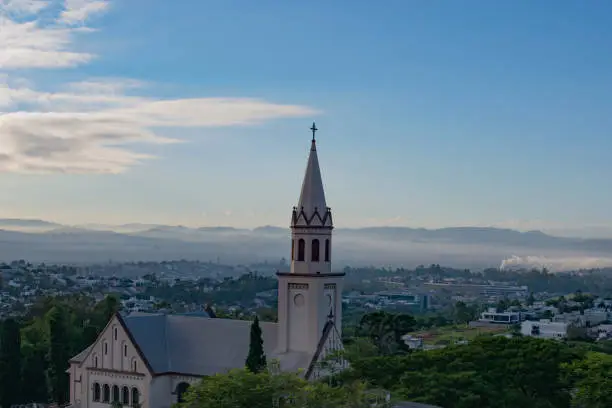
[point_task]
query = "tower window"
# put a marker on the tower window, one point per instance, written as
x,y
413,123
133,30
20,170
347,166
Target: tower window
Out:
x,y
292,249
315,250
301,250
327,250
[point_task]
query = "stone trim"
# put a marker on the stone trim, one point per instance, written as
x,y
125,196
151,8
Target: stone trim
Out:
x,y
104,372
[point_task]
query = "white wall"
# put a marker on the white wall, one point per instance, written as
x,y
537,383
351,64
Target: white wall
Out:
x,y
113,368
163,390
548,329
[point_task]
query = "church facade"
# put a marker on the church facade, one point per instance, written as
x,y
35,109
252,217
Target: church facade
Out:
x,y
149,360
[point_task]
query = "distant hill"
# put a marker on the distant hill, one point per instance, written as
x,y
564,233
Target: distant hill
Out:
x,y
469,247
26,224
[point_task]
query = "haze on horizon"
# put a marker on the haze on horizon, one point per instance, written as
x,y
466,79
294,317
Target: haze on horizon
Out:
x,y
430,115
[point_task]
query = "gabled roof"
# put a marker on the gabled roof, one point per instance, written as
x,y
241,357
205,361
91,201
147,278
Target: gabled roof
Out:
x,y
329,343
79,358
312,196
193,345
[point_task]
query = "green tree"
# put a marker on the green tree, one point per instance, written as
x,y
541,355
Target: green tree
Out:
x,y
10,363
256,359
385,330
106,309
489,371
245,389
592,379
463,313
58,355
530,299
33,373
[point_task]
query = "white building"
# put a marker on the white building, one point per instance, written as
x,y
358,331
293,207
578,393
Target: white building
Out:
x,y
544,329
493,316
149,360
588,318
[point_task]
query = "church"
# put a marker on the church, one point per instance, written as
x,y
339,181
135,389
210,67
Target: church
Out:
x,y
149,360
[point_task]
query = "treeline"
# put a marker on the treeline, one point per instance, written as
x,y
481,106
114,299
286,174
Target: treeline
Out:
x,y
35,349
241,290
591,281
489,372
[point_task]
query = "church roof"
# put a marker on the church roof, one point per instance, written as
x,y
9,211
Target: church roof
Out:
x,y
313,195
79,358
194,345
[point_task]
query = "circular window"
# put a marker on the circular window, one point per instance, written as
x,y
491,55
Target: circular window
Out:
x,y
298,300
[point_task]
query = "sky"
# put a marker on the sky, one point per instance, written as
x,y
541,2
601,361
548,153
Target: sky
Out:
x,y
197,112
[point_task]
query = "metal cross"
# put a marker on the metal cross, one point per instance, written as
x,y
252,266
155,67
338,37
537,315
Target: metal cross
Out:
x,y
314,130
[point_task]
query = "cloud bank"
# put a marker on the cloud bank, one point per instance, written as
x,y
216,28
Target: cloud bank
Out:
x,y
555,264
87,127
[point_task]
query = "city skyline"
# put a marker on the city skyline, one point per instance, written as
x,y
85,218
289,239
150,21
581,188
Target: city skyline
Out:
x,y
429,116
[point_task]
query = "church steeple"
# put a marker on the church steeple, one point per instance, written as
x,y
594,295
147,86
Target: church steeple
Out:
x,y
311,222
310,294
312,208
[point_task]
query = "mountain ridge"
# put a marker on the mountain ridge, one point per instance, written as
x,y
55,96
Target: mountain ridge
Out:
x,y
470,247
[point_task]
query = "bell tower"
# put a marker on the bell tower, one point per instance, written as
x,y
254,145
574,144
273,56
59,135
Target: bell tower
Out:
x,y
310,294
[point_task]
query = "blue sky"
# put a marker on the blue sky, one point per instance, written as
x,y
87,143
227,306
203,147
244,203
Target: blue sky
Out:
x,y
431,114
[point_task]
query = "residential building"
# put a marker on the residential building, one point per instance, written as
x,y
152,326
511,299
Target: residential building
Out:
x,y
493,316
544,329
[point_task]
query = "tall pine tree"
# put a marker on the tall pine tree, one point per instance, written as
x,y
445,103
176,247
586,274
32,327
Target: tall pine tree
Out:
x,y
58,355
256,360
33,373
10,363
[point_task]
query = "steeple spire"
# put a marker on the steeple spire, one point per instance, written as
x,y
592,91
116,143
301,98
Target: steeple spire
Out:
x,y
314,130
312,197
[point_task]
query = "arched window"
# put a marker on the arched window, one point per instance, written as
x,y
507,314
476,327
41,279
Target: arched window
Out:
x,y
105,393
292,249
301,249
96,392
95,360
315,250
181,389
115,393
327,250
135,396
105,348
124,350
125,395
115,332
134,365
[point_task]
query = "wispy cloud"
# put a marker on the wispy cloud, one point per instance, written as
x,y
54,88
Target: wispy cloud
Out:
x,y
26,41
78,11
86,127
19,7
85,131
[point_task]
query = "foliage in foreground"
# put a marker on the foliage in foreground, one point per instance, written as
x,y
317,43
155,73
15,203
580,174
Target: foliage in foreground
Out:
x,y
35,349
242,388
256,359
492,372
